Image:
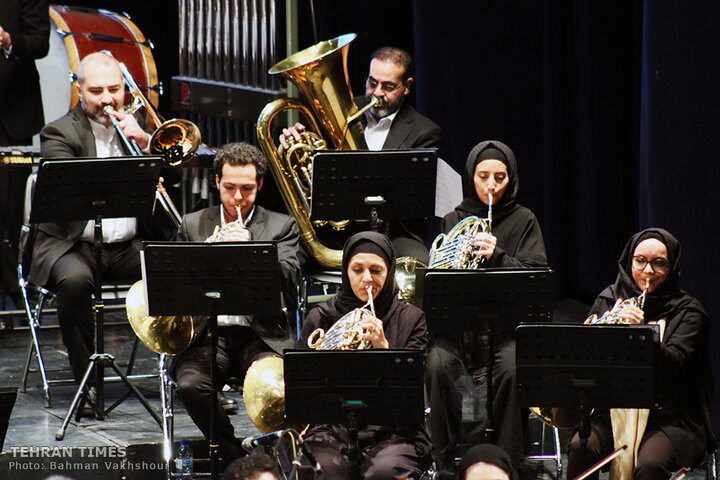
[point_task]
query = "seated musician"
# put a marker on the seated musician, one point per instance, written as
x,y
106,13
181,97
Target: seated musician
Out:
x,y
239,172
676,435
395,125
395,451
63,255
516,241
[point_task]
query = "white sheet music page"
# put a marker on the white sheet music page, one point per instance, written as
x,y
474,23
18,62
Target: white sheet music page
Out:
x,y
448,192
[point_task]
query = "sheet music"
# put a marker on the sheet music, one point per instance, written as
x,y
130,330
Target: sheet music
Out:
x,y
448,193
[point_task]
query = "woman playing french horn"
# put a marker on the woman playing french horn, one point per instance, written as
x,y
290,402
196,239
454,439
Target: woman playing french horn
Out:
x,y
675,435
514,240
394,451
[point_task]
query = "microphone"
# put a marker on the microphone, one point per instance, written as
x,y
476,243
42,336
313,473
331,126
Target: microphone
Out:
x,y
249,443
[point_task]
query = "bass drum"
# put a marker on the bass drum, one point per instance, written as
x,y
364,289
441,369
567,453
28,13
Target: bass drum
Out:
x,y
76,32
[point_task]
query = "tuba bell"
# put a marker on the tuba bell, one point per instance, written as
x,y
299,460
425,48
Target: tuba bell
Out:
x,y
320,72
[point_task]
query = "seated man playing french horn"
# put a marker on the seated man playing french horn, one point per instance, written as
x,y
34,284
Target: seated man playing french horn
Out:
x,y
510,237
368,298
239,172
662,440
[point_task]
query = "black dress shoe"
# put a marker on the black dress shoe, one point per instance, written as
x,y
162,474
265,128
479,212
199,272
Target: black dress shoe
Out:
x,y
229,404
87,410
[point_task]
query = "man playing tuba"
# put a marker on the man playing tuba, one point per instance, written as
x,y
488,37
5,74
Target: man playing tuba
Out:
x,y
239,172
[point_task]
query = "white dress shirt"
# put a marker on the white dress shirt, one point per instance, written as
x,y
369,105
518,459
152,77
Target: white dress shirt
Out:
x,y
376,131
107,144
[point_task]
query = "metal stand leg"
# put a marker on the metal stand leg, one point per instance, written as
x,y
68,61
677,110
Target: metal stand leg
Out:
x,y
101,361
166,395
33,324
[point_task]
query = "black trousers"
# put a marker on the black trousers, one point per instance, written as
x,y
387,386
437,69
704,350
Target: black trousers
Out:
x,y
389,457
656,457
238,347
445,367
72,280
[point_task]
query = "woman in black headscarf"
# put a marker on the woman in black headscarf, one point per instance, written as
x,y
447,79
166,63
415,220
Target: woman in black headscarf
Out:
x,y
515,241
393,451
480,462
678,433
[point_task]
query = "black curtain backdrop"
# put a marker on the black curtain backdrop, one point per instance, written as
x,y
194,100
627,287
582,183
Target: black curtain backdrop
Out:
x,y
611,108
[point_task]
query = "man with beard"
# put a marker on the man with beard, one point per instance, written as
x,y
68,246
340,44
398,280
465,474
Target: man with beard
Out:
x,y
395,125
63,253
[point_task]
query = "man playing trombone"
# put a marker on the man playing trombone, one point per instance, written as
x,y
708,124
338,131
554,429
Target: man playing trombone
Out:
x,y
63,254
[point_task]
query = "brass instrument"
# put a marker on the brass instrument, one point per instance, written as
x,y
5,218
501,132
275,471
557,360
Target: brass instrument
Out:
x,y
456,249
346,333
568,417
612,317
219,234
175,140
170,335
264,393
320,72
405,268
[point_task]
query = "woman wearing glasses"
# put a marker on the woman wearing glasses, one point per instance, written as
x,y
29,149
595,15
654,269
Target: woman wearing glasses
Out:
x,y
663,440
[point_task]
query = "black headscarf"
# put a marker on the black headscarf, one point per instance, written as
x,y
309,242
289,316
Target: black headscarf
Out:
x,y
667,297
345,300
471,204
488,453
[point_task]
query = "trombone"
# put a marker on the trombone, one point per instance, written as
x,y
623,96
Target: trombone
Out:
x,y
176,140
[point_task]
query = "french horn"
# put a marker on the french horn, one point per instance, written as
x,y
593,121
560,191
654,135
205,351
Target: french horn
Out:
x,y
347,332
456,249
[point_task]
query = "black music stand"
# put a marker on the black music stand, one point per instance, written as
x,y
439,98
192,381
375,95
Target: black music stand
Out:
x,y
494,300
587,367
354,388
232,278
376,186
92,189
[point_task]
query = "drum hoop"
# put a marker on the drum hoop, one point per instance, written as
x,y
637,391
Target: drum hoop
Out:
x,y
148,60
73,54
150,68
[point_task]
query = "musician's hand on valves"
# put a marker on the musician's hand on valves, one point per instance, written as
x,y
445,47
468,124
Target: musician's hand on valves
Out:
x,y
631,315
374,333
294,132
236,234
131,128
485,245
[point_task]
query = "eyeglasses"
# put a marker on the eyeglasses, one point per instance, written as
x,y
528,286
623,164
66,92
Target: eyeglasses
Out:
x,y
387,87
657,264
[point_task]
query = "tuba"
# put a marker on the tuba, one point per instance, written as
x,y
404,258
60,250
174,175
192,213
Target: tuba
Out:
x,y
320,72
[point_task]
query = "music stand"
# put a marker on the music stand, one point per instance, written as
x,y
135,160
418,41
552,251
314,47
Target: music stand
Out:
x,y
354,388
373,185
231,278
92,189
587,367
495,300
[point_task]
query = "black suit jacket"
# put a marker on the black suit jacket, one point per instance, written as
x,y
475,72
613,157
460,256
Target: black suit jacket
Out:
x,y
409,129
67,137
28,23
264,225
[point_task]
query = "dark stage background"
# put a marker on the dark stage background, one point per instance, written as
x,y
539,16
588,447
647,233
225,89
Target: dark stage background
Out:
x,y
611,108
